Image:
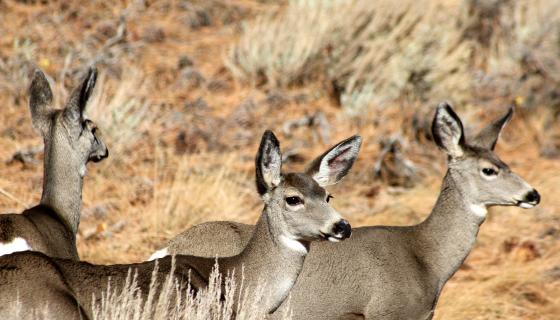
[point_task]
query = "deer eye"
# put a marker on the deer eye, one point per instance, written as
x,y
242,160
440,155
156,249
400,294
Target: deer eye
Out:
x,y
294,201
329,197
489,172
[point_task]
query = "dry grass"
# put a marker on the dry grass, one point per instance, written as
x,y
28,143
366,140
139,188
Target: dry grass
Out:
x,y
123,115
172,300
418,51
152,187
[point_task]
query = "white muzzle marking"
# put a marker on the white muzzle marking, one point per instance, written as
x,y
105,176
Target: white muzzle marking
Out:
x,y
526,205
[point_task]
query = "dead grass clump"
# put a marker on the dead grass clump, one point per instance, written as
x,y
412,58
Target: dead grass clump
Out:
x,y
189,192
383,52
14,69
286,47
173,300
122,115
492,295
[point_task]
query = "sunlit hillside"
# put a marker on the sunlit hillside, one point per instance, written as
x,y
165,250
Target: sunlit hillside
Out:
x,y
186,89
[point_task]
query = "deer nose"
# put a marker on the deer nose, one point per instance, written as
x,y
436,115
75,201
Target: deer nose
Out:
x,y
342,228
533,197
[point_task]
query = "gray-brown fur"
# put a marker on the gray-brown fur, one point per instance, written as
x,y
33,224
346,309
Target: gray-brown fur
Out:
x,y
35,281
273,256
387,272
70,142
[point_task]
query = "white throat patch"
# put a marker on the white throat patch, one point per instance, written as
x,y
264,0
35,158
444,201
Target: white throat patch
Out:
x,y
16,245
293,244
479,210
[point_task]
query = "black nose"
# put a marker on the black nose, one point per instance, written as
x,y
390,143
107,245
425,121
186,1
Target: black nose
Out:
x,y
533,197
342,228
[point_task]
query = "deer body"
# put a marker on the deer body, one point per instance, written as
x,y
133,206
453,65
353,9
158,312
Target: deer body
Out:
x,y
46,292
386,272
70,142
265,261
296,213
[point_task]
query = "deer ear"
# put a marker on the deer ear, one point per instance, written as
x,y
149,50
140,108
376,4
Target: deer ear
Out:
x,y
447,130
488,137
330,167
40,99
268,163
76,105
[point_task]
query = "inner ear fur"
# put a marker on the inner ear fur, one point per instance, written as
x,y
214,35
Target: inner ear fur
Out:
x,y
447,131
488,137
268,163
335,163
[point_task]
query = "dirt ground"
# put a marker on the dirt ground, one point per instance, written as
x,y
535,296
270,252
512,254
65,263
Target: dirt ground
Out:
x,y
182,134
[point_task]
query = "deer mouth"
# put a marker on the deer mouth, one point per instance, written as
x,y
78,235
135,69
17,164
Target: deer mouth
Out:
x,y
526,205
331,237
98,157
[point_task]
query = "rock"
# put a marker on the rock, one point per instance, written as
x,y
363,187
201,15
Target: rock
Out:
x,y
190,140
191,78
198,18
553,273
98,211
184,61
153,34
243,115
521,251
217,85
277,99
197,105
392,166
26,156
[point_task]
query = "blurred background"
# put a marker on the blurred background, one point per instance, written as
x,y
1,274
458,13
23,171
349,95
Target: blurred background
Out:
x,y
186,89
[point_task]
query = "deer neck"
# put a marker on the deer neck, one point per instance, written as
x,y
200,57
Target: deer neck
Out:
x,y
63,179
449,233
271,259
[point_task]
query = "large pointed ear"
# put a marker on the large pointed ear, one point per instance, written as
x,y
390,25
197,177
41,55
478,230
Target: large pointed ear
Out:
x,y
76,105
447,130
488,137
330,167
268,163
40,99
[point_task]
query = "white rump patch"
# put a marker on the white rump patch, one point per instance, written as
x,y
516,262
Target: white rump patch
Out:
x,y
16,245
479,210
293,244
159,254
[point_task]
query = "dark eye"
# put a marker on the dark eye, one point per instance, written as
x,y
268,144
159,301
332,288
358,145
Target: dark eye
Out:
x,y
329,197
489,172
294,201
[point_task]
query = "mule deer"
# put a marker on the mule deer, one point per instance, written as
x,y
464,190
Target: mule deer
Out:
x,y
395,272
71,141
296,212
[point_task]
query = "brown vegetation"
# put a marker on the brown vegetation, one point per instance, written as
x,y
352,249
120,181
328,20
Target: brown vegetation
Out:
x,y
187,88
